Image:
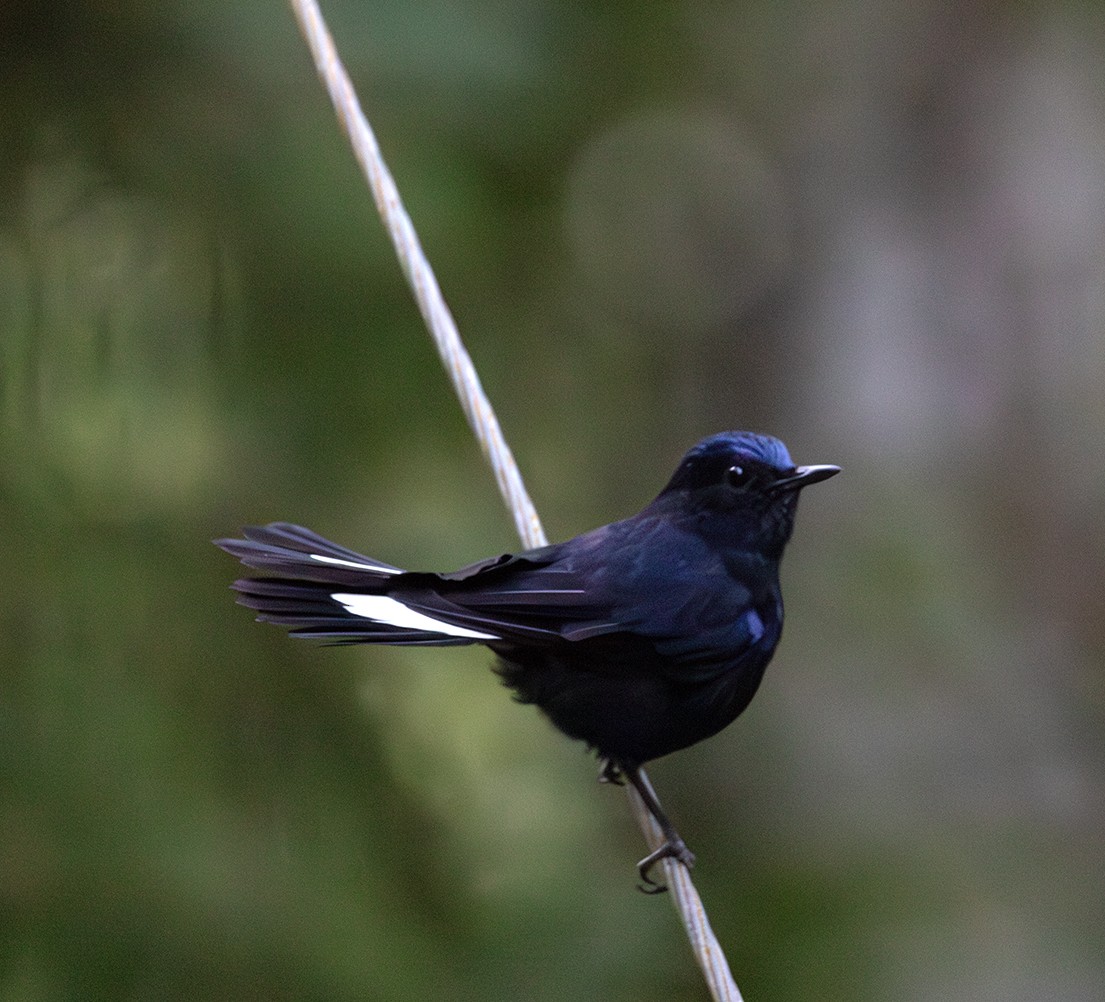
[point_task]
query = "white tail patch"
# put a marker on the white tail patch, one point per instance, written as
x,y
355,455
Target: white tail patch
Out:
x,y
355,564
383,609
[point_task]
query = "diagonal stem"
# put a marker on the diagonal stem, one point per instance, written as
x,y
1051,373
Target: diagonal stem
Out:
x,y
481,417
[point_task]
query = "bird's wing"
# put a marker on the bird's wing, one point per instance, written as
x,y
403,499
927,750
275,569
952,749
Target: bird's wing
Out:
x,y
660,583
594,585
714,641
531,598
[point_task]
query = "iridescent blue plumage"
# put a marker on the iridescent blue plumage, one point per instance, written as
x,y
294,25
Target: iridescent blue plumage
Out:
x,y
640,638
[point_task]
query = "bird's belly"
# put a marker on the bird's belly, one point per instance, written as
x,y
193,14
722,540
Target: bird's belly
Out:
x,y
633,712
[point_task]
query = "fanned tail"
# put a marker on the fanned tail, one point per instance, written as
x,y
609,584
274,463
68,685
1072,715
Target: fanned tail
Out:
x,y
295,551
307,603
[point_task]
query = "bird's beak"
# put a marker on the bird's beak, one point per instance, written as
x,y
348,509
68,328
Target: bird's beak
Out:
x,y
803,476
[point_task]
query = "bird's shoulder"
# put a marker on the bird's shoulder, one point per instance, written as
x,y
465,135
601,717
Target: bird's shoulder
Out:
x,y
589,551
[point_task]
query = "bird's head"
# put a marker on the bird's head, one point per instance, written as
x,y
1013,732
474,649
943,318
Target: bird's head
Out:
x,y
740,490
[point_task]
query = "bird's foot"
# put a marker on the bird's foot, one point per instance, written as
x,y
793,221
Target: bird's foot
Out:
x,y
610,772
672,848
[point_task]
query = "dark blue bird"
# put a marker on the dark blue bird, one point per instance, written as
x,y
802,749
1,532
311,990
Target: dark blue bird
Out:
x,y
639,638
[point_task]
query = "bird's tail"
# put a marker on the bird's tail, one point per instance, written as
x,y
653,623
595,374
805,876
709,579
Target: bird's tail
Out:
x,y
332,593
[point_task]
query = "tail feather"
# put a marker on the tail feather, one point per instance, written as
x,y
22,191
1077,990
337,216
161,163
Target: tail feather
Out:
x,y
308,609
293,550
326,590
308,604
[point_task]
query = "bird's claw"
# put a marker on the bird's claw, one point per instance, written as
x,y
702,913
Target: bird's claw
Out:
x,y
673,849
610,772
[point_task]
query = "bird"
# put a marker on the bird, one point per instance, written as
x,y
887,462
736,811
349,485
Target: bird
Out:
x,y
639,638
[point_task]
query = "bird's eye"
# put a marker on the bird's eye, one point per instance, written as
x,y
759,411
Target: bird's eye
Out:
x,y
738,476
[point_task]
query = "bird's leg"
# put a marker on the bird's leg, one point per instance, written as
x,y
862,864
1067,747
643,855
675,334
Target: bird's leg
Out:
x,y
673,844
610,772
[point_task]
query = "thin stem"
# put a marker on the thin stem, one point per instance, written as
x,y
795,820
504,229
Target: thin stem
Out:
x,y
481,417
420,276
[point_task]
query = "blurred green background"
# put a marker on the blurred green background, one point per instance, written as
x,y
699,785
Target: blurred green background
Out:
x,y
876,230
